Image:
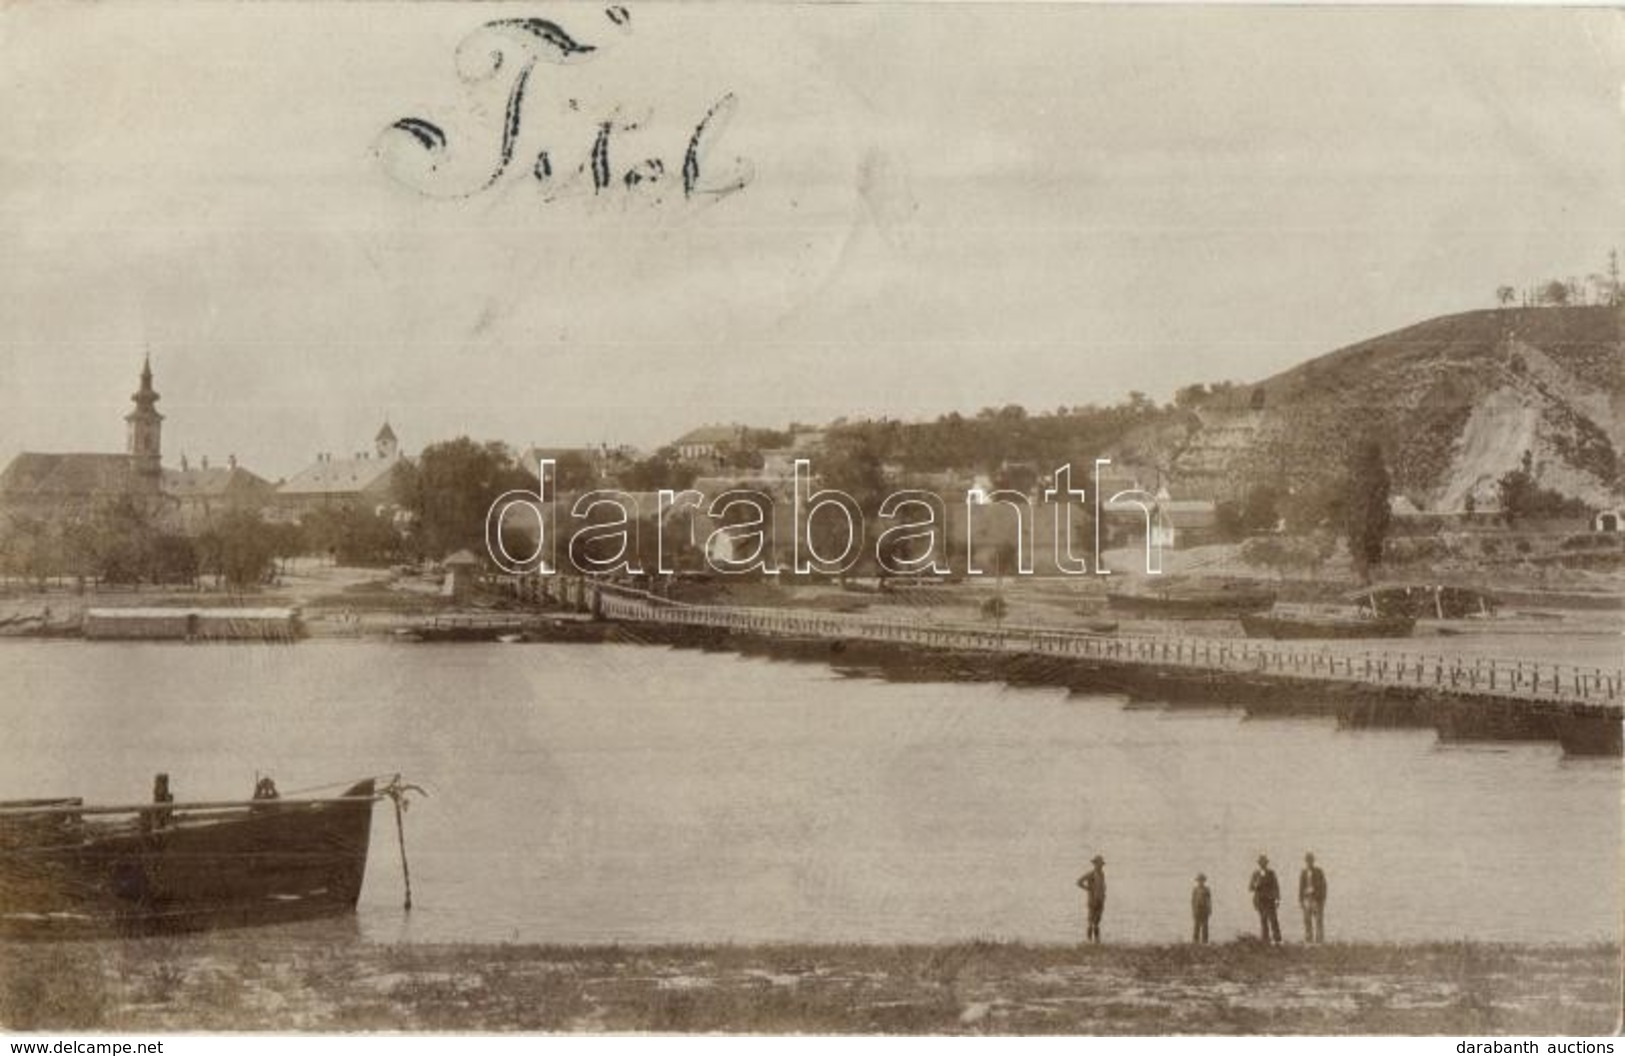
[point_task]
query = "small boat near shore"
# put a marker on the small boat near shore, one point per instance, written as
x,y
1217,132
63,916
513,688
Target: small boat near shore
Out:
x,y
1219,604
1355,623
461,628
1428,601
1591,735
72,870
509,630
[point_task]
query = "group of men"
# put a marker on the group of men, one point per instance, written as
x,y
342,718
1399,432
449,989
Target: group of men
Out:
x,y
1266,892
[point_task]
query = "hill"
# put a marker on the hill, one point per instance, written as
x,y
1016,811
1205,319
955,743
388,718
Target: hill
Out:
x,y
1455,401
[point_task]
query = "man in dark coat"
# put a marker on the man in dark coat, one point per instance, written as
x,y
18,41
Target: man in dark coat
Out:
x,y
1266,891
1094,882
1312,897
1201,908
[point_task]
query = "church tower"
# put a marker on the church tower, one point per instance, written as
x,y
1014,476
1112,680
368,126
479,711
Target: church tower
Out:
x,y
145,430
385,443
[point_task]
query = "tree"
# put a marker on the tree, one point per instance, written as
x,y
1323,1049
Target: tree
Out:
x,y
173,559
1190,396
1516,490
451,489
1555,292
27,548
1261,509
239,549
1366,515
121,534
1505,295
663,469
353,536
574,471
1522,497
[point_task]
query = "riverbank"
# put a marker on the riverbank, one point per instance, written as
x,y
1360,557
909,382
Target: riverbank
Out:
x,y
253,982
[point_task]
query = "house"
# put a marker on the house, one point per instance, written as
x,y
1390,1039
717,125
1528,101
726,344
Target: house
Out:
x,y
576,468
1182,522
707,442
365,482
462,570
204,493
1609,521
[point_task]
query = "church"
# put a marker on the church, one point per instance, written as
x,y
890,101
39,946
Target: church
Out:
x,y
49,486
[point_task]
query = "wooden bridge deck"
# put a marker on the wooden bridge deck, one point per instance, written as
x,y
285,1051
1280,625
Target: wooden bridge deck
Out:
x,y
1514,680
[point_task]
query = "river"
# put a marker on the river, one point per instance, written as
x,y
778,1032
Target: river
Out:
x,y
594,794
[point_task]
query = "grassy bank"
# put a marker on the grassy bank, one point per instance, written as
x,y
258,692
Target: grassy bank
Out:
x,y
234,982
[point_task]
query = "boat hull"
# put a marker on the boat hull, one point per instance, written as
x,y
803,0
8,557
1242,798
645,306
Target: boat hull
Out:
x,y
1221,605
282,861
1599,735
1263,626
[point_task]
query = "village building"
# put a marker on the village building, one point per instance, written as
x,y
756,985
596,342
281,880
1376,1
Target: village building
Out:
x,y
203,493
1179,523
49,485
462,575
46,485
601,463
364,482
707,443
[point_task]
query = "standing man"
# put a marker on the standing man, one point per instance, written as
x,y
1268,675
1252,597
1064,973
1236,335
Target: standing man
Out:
x,y
1312,897
1266,891
1094,882
1201,909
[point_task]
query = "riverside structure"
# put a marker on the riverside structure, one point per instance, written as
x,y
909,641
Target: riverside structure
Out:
x,y
1581,707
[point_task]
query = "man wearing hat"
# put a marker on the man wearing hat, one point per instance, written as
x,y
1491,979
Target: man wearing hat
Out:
x,y
1312,897
1094,882
1201,908
1266,891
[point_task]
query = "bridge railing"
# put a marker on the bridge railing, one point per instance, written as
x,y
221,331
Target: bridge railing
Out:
x,y
1520,679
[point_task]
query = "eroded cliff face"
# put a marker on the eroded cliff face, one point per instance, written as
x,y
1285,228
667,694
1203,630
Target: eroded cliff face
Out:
x,y
1456,401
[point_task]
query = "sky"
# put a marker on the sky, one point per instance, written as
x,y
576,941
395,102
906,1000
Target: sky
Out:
x,y
939,207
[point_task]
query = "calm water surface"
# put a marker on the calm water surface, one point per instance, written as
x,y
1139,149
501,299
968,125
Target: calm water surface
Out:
x,y
617,793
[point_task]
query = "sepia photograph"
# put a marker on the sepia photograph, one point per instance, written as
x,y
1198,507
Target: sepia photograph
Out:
x,y
875,519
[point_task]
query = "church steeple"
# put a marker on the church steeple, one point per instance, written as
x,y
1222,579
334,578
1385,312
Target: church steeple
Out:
x,y
385,443
145,431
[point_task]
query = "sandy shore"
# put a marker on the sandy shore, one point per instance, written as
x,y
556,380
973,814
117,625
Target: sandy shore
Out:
x,y
234,981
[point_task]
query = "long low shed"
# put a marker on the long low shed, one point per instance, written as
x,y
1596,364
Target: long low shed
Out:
x,y
192,624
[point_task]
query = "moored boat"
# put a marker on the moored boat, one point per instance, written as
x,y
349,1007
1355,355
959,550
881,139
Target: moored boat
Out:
x,y
1595,734
462,628
1191,604
71,870
1428,601
1353,624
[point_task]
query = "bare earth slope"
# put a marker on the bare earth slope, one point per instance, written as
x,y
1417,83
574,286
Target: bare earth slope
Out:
x,y
1456,401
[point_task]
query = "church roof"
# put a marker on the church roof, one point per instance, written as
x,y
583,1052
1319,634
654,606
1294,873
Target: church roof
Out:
x,y
340,476
386,433
68,475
